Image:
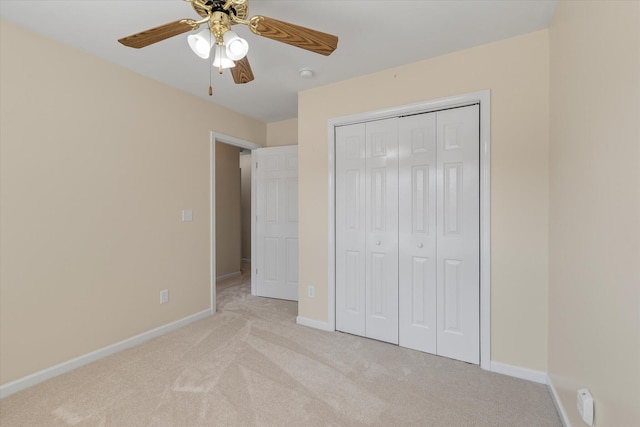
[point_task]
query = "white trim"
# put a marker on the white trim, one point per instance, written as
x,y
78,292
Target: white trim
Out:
x,y
254,209
316,324
331,260
212,224
558,403
484,98
246,259
228,276
69,365
417,108
485,228
519,372
236,142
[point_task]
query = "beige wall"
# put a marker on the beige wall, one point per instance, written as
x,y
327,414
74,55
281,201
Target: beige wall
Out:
x,y
228,210
96,164
594,298
284,132
245,201
517,73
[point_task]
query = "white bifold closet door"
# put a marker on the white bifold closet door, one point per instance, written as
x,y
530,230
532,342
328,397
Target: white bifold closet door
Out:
x,y
439,233
367,217
417,233
433,163
381,222
351,232
458,240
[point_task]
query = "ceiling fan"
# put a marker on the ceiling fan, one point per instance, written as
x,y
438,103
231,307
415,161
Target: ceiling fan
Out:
x,y
230,50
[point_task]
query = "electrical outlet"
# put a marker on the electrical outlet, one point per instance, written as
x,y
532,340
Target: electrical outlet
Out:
x,y
164,296
585,406
311,291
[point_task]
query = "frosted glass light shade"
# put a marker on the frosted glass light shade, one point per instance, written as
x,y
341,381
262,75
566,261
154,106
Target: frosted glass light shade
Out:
x,y
236,47
221,59
200,43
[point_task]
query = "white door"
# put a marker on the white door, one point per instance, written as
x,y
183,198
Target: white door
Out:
x,y
277,222
458,225
417,233
366,227
411,274
439,233
350,229
381,277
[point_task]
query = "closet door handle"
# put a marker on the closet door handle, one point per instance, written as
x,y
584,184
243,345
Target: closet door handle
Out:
x,y
378,243
420,245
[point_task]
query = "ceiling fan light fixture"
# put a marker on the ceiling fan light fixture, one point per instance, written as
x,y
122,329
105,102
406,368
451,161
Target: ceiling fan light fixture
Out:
x,y
236,47
200,43
221,60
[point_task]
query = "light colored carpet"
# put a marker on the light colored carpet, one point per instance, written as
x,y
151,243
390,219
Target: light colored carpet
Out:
x,y
251,365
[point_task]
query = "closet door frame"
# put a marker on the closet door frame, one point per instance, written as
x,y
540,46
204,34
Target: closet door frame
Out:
x,y
483,98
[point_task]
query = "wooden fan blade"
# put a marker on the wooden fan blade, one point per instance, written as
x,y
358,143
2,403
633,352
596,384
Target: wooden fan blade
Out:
x,y
154,35
295,35
242,71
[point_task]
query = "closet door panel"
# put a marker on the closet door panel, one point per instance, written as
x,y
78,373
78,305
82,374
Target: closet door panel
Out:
x,y
458,243
407,231
417,232
381,279
350,229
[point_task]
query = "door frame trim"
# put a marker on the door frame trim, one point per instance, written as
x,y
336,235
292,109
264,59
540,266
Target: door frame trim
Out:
x,y
483,98
240,143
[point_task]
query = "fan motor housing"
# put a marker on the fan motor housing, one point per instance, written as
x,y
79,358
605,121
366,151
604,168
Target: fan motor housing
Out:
x,y
205,7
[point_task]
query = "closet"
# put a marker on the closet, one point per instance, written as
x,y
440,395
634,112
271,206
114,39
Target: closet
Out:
x,y
407,231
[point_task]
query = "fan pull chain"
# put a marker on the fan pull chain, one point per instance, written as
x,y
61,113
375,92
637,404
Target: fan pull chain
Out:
x,y
210,88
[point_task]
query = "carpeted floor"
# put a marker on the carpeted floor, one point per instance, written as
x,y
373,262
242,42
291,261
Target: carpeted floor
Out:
x,y
251,365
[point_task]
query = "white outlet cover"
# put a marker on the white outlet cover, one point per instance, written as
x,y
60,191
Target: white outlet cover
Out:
x,y
585,405
164,296
187,215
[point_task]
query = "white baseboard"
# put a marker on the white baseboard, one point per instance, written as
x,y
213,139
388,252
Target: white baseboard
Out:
x,y
228,276
316,324
558,403
64,367
519,372
535,376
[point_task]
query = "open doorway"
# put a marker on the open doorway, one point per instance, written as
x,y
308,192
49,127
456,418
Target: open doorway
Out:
x,y
226,203
245,207
229,212
274,193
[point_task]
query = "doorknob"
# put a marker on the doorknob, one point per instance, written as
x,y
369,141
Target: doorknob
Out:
x,y
378,243
420,245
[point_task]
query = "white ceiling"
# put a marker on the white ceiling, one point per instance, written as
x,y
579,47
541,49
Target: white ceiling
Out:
x,y
374,35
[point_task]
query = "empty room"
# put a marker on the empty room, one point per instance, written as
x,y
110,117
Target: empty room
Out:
x,y
320,213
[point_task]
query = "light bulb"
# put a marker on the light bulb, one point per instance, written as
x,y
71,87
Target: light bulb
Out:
x,y
236,47
202,47
200,43
221,60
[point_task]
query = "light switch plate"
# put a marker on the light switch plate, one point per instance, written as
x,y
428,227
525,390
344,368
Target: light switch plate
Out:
x,y
187,215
